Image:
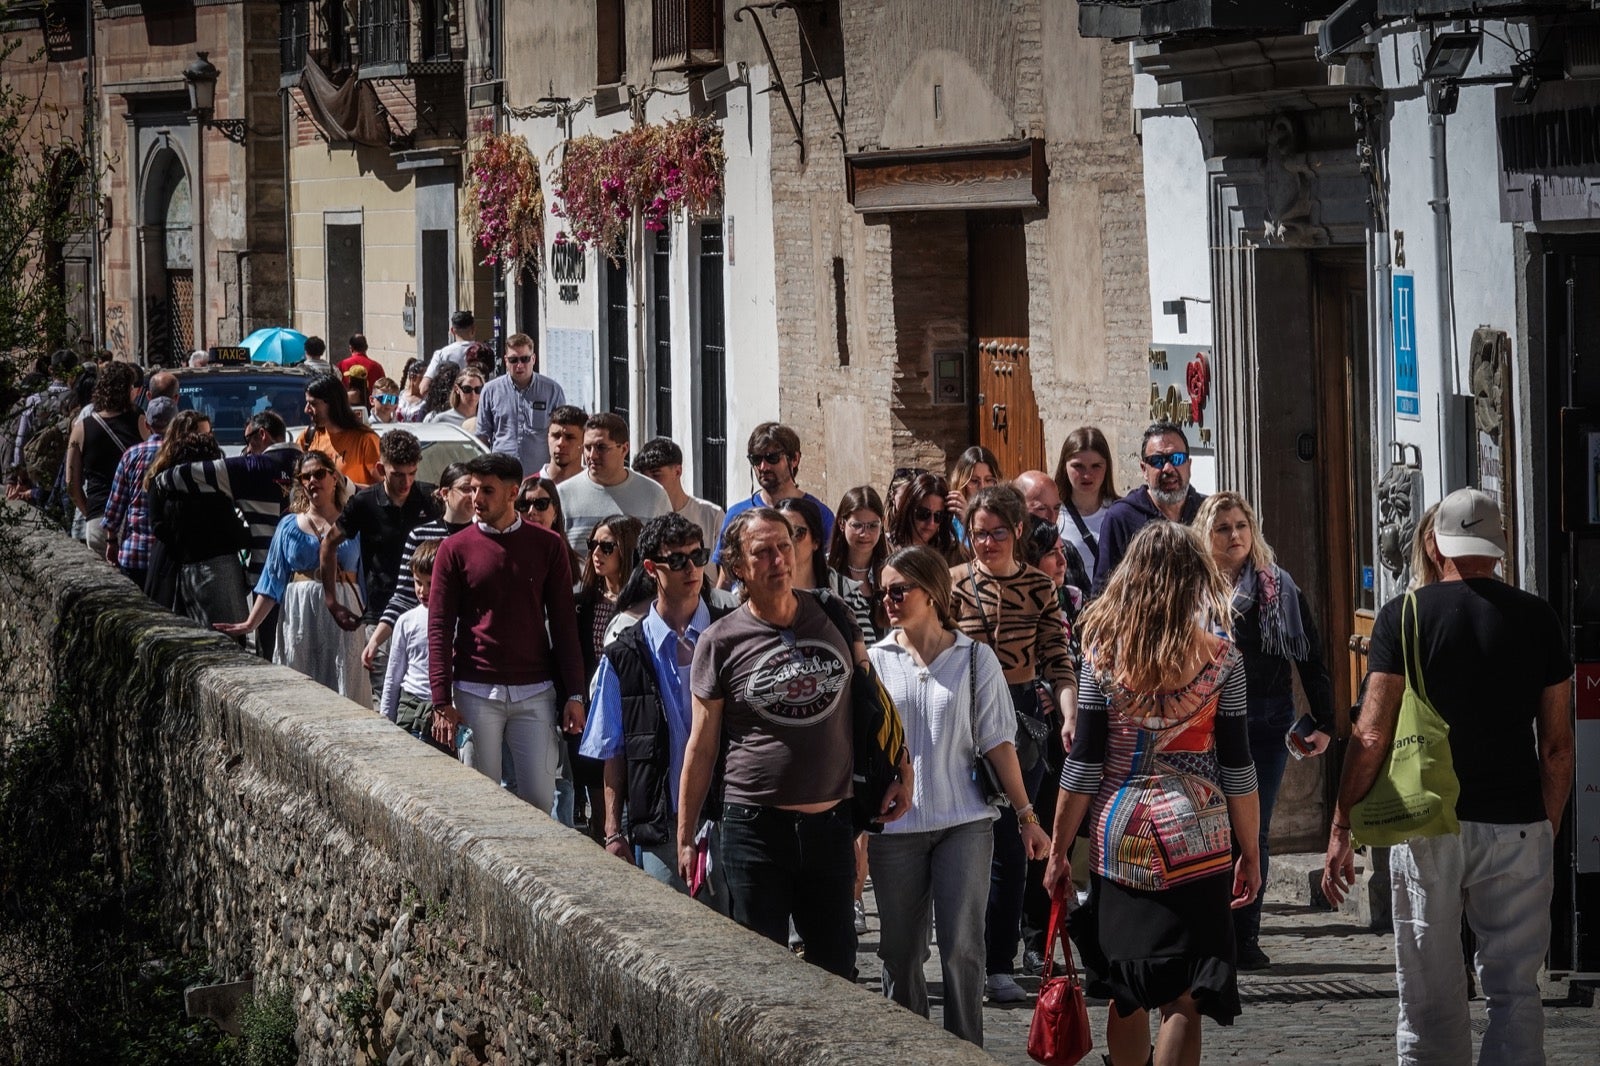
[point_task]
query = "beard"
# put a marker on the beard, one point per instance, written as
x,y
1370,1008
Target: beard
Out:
x,y
1170,497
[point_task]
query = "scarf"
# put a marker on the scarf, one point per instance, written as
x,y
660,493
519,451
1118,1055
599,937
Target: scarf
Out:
x,y
1282,631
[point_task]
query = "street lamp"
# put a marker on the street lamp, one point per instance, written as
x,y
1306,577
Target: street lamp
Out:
x,y
201,77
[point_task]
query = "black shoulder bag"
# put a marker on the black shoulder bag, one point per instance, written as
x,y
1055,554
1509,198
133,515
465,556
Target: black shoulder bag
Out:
x,y
983,771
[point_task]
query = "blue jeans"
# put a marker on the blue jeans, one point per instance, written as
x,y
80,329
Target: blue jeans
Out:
x,y
1008,880
784,865
1270,719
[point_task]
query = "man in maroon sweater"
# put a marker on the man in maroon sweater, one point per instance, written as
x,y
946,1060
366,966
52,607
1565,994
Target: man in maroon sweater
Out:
x,y
497,584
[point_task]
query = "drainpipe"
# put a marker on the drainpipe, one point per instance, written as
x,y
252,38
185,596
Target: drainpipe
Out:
x,y
1452,428
91,122
288,211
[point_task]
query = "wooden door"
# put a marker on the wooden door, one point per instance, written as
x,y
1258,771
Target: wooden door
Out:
x,y
1006,413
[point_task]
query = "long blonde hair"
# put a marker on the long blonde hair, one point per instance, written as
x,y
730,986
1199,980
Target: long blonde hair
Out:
x,y
1142,629
1424,571
1262,556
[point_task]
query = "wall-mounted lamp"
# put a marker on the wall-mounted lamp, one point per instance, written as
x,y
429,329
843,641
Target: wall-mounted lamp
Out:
x,y
1451,54
201,78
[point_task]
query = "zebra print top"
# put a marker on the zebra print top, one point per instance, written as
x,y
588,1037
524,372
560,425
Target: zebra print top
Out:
x,y
1020,618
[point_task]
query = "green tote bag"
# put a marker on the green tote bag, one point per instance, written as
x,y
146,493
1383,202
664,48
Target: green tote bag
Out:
x,y
1415,794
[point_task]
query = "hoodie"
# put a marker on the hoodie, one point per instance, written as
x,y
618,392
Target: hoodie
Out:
x,y
1124,520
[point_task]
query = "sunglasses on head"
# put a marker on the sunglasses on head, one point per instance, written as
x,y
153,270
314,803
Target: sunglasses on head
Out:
x,y
1160,459
604,547
519,359
923,514
470,390
542,504
906,473
770,458
387,398
895,594
683,560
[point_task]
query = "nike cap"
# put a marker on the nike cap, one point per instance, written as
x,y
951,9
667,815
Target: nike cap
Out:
x,y
1468,523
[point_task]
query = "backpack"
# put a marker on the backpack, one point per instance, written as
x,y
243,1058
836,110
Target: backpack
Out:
x,y
878,735
46,447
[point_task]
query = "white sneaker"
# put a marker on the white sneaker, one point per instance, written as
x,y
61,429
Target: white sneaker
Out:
x,y
861,917
1003,988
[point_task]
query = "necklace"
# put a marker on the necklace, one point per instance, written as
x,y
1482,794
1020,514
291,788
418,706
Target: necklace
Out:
x,y
858,569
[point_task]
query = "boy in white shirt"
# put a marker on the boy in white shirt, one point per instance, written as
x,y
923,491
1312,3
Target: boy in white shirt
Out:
x,y
407,699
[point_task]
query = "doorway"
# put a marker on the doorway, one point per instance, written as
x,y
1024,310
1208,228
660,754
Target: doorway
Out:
x,y
345,284
168,237
1006,411
614,326
712,398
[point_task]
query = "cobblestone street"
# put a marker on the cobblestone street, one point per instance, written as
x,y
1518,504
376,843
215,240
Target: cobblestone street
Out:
x,y
1329,998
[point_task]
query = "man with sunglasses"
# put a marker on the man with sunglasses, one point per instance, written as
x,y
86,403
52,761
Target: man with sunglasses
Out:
x,y
514,410
606,486
641,689
774,454
1164,494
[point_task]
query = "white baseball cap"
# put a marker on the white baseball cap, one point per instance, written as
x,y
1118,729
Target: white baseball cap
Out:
x,y
1468,523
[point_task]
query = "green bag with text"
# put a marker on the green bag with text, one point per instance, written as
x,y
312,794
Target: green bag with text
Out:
x,y
1415,794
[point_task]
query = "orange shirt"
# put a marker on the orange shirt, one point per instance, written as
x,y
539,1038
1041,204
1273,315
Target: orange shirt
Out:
x,y
353,451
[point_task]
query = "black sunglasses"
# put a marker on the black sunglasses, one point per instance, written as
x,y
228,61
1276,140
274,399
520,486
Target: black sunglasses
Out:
x,y
1161,459
895,593
519,359
683,560
470,390
606,547
542,504
770,458
923,514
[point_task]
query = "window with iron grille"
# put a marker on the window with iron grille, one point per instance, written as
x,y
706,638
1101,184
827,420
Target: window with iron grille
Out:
x,y
385,31
435,30
294,35
330,37
611,42
686,34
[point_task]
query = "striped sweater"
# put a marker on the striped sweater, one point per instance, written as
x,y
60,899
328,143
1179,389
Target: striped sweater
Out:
x,y
257,484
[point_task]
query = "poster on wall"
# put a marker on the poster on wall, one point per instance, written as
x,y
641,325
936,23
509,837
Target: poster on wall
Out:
x,y
1586,831
569,358
1402,307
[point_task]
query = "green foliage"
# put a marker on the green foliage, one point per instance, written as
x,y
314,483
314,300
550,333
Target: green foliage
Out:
x,y
268,1024
358,1007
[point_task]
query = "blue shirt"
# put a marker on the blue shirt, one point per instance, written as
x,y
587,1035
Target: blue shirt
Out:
x,y
602,733
755,500
296,551
513,421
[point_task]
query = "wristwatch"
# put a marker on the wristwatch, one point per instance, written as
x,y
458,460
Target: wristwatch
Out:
x,y
1027,818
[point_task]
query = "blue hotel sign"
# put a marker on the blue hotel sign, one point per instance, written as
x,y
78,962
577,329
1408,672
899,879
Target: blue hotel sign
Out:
x,y
1402,309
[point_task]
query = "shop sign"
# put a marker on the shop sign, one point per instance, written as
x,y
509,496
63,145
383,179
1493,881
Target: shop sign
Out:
x,y
1549,152
568,262
1403,316
1180,390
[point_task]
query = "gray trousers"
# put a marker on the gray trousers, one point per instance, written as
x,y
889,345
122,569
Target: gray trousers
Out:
x,y
918,877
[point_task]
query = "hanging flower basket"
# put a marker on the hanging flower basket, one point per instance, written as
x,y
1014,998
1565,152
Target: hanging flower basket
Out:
x,y
658,170
505,201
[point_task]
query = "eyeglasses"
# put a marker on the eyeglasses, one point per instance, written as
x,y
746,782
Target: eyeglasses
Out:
x,y
542,504
518,360
895,594
676,561
864,527
311,475
769,458
1161,459
922,514
1000,534
604,547
470,390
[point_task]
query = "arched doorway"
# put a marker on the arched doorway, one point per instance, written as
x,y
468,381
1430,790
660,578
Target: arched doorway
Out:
x,y
167,235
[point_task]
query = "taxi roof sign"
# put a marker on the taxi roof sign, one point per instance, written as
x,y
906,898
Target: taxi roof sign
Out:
x,y
229,355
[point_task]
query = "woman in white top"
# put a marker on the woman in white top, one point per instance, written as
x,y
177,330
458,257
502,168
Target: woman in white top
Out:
x,y
1087,487
412,398
953,699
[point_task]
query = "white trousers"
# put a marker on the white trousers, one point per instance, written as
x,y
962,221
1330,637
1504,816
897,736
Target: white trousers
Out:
x,y
1502,876
529,727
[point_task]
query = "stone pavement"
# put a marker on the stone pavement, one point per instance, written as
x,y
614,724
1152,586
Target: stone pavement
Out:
x,y
1329,998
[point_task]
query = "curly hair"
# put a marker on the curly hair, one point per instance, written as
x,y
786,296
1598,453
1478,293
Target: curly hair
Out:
x,y
441,389
399,448
113,388
1141,630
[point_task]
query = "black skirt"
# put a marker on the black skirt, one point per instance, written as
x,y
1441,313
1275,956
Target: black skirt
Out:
x,y
1142,950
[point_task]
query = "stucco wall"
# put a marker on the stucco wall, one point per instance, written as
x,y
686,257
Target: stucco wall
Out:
x,y
305,840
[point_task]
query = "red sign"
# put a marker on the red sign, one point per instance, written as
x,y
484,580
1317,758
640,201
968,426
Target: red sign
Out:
x,y
1586,696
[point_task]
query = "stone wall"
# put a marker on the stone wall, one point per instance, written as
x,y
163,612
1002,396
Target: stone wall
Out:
x,y
305,841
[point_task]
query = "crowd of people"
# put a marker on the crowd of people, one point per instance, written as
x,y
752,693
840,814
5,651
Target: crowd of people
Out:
x,y
1097,690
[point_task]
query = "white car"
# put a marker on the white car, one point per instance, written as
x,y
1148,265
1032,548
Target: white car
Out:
x,y
442,444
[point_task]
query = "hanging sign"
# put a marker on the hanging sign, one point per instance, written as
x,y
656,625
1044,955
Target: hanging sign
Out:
x,y
1403,316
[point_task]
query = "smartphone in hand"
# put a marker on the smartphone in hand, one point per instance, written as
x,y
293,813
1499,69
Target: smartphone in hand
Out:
x,y
1298,739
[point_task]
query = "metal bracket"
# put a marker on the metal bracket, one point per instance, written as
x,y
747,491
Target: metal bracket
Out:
x,y
796,119
234,129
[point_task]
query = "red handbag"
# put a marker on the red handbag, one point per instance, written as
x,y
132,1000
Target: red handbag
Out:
x,y
1059,1035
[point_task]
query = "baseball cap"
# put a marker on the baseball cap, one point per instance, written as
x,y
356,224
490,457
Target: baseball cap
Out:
x,y
160,411
1468,523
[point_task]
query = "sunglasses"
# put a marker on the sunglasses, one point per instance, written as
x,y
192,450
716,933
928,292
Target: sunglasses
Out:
x,y
542,504
676,561
770,458
604,547
469,390
387,398
895,594
1161,459
922,514
310,476
518,360
999,535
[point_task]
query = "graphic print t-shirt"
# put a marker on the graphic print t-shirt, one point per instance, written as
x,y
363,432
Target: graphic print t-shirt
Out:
x,y
786,705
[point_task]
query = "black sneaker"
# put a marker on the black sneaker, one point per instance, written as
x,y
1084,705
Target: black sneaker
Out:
x,y
1032,962
1251,957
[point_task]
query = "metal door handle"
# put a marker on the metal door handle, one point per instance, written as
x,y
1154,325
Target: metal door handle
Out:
x,y
997,417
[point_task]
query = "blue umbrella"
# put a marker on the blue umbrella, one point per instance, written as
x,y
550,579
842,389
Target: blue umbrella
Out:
x,y
276,345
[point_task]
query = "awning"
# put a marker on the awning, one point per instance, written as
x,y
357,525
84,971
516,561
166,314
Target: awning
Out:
x,y
972,177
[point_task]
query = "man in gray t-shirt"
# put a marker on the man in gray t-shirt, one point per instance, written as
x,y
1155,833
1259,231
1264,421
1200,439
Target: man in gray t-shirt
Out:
x,y
773,678
606,486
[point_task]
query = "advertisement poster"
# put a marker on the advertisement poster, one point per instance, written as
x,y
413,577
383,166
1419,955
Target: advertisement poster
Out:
x,y
1586,831
1403,307
569,358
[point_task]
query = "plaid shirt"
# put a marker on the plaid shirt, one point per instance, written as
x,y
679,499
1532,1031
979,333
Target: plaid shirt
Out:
x,y
128,507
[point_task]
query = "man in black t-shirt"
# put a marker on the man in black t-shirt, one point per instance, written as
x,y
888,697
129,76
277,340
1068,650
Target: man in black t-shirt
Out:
x,y
1493,663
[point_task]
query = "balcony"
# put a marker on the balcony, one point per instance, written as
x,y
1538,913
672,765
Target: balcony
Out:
x,y
686,34
385,36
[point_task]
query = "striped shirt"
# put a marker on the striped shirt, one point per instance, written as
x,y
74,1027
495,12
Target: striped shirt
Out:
x,y
258,485
404,596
